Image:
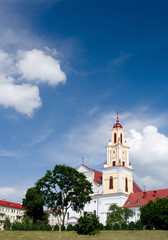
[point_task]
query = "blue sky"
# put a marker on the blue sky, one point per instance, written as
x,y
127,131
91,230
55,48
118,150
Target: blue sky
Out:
x,y
66,68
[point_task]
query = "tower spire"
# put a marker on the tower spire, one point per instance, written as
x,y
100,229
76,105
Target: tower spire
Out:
x,y
117,123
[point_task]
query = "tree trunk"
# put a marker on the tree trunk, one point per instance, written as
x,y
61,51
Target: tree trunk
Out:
x,y
59,232
59,223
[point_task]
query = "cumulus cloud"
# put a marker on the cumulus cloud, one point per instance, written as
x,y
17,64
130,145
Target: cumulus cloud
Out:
x,y
36,66
23,98
149,151
33,66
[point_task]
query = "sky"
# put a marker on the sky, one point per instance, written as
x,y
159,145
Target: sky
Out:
x,y
66,69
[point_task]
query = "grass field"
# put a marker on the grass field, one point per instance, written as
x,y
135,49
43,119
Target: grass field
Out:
x,y
104,235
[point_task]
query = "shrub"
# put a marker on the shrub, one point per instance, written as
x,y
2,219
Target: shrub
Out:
x,y
124,226
132,225
139,225
108,226
101,226
116,226
88,224
70,227
56,227
75,227
62,228
7,224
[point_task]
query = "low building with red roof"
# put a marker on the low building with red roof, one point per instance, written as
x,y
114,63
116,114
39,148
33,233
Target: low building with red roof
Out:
x,y
14,211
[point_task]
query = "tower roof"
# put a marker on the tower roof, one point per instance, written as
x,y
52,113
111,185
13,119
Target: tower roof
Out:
x,y
117,123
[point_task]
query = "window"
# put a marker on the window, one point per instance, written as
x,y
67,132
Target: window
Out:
x,y
113,163
126,184
115,138
111,183
138,201
67,215
121,137
94,212
128,202
123,163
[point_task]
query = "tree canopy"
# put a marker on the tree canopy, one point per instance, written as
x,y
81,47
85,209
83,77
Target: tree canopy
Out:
x,y
34,202
155,214
64,188
118,214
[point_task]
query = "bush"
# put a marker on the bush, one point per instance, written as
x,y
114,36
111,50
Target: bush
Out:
x,y
124,226
132,226
75,227
70,227
56,227
149,226
108,226
139,225
101,226
116,226
88,224
62,228
7,224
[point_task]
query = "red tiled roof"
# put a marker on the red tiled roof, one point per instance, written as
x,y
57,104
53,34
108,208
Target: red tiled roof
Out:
x,y
11,204
142,198
97,174
136,188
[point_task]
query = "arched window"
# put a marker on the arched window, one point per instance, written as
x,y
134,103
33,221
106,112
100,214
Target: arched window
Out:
x,y
113,163
115,137
121,137
111,183
126,184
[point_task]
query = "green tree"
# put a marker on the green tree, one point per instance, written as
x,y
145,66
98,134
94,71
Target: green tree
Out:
x,y
64,188
155,214
115,214
118,214
88,224
34,203
7,224
127,213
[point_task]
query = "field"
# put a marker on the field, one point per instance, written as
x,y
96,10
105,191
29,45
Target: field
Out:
x,y
104,235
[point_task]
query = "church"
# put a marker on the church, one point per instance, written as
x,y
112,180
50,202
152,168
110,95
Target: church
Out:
x,y
115,183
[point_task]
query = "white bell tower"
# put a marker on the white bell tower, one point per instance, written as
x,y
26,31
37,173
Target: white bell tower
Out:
x,y
117,171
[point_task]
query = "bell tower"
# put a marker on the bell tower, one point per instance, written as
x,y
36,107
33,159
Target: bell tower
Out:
x,y
117,171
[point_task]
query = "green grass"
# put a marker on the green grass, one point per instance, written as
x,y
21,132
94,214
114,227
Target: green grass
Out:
x,y
104,235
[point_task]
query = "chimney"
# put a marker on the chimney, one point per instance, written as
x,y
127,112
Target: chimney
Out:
x,y
144,194
154,193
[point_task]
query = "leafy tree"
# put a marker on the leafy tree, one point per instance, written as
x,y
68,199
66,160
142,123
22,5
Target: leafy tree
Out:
x,y
26,219
115,214
118,214
155,214
7,224
127,213
88,224
64,188
34,202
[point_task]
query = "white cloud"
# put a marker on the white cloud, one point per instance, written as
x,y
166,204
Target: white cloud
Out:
x,y
36,66
23,98
33,66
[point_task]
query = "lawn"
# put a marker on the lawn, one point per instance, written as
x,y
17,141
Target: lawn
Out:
x,y
104,235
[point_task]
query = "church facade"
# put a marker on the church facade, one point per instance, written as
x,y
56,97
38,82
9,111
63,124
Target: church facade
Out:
x,y
115,183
